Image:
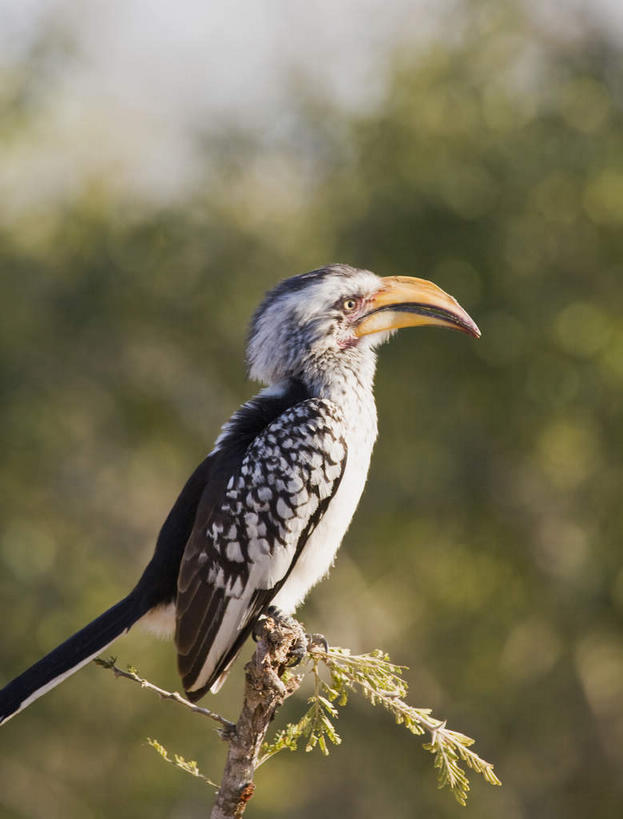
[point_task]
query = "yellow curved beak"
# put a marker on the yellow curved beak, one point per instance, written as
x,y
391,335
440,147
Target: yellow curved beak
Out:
x,y
404,301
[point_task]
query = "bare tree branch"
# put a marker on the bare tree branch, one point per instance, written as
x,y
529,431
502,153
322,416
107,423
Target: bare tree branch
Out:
x,y
264,693
130,674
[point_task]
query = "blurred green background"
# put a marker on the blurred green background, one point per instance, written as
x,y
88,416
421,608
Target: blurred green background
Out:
x,y
486,554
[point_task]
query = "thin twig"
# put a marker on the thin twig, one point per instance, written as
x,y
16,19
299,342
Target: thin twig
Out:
x,y
163,694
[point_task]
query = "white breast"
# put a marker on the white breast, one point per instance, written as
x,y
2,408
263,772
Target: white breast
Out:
x,y
319,552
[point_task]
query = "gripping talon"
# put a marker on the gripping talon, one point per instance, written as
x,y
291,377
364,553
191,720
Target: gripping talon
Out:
x,y
297,653
256,631
299,648
318,641
306,642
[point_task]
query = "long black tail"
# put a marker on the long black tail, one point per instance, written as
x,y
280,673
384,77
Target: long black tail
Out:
x,y
70,655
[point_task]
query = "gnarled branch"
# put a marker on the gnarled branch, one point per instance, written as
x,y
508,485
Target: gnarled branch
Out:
x,y
264,693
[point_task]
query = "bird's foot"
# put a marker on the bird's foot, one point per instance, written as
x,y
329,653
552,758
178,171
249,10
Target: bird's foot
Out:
x,y
304,642
275,614
317,641
299,646
297,652
258,627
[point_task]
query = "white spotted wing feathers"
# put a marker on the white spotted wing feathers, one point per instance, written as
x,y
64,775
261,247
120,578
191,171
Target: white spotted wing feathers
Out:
x,y
236,561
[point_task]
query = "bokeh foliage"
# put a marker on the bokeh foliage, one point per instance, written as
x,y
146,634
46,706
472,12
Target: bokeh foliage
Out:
x,y
487,552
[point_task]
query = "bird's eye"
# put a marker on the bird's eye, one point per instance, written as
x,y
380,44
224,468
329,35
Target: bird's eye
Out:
x,y
348,305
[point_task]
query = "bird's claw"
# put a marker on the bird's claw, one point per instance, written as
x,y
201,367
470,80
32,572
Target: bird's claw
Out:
x,y
299,647
317,641
303,644
278,616
297,652
256,631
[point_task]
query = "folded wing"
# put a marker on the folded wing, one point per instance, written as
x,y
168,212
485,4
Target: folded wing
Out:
x,y
245,543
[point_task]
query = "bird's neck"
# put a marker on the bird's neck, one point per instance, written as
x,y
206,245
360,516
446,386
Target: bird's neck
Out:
x,y
348,381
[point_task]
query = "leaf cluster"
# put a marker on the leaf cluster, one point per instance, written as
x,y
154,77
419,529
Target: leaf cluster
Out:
x,y
381,682
178,761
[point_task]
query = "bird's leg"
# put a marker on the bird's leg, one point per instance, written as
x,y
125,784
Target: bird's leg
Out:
x,y
299,648
275,614
304,644
256,631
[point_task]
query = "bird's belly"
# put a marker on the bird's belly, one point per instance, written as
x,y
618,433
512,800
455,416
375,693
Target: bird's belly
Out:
x,y
318,554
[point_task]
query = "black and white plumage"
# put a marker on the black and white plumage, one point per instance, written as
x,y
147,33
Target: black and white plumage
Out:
x,y
260,520
272,504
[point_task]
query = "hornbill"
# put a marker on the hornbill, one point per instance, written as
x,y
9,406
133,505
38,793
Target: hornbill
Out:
x,y
260,520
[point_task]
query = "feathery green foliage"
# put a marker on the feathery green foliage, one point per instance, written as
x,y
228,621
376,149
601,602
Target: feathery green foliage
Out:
x,y
380,681
375,677
178,761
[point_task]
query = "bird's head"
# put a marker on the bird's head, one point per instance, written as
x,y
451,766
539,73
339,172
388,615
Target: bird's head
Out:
x,y
339,313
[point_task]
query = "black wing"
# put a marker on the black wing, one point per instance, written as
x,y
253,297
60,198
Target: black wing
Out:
x,y
244,546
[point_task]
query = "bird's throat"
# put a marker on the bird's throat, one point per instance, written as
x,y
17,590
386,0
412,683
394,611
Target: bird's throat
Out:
x,y
347,379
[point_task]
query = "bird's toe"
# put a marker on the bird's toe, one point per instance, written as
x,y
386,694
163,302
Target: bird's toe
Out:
x,y
317,641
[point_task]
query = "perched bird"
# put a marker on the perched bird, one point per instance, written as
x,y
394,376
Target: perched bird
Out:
x,y
260,520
